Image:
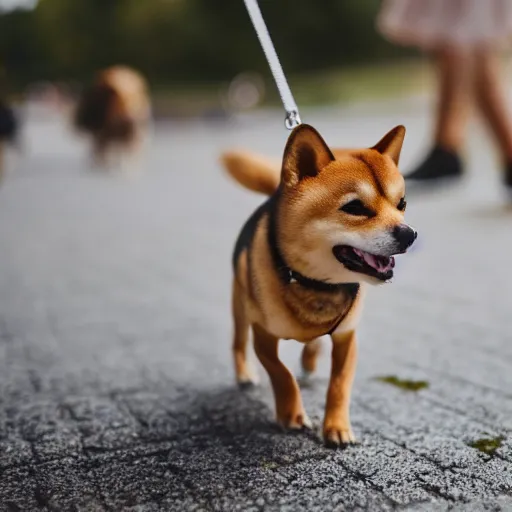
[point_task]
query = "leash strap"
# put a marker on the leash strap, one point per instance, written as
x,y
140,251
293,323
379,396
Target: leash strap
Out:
x,y
292,112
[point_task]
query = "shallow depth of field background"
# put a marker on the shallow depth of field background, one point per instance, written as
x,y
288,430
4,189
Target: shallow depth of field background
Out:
x,y
116,382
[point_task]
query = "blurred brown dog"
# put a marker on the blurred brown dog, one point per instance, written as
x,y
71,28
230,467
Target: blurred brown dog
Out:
x,y
114,111
332,224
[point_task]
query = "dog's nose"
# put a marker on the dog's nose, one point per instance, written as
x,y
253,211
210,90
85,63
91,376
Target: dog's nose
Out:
x,y
405,236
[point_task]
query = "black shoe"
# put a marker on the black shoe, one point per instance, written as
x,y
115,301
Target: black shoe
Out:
x,y
440,163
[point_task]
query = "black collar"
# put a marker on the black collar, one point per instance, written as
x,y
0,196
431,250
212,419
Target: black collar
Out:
x,y
287,274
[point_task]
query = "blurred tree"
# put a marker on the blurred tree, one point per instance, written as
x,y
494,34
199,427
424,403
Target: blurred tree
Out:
x,y
183,40
79,35
20,55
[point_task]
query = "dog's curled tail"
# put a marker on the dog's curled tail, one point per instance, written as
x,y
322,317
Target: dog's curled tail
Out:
x,y
252,171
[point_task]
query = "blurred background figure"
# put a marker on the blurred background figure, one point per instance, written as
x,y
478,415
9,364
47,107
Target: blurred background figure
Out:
x,y
9,129
114,111
464,37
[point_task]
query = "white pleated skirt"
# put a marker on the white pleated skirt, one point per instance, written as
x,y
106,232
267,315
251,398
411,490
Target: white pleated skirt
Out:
x,y
431,24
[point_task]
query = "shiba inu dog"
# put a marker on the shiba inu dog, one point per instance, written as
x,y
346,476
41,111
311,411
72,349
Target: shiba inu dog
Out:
x,y
114,111
332,224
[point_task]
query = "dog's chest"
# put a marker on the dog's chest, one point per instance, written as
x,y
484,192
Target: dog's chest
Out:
x,y
309,313
315,307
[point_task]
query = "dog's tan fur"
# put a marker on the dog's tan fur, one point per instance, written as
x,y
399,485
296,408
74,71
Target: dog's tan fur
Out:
x,y
312,185
124,114
252,171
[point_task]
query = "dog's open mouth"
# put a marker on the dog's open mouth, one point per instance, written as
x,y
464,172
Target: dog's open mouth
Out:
x,y
380,267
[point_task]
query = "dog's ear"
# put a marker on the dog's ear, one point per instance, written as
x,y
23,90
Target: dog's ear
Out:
x,y
391,143
305,155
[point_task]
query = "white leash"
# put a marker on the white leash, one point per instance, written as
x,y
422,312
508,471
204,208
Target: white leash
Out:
x,y
292,112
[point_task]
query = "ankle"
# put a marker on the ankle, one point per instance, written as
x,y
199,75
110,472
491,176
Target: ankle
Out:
x,y
448,142
448,148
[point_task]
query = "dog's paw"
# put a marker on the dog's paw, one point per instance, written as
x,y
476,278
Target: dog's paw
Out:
x,y
306,376
339,437
306,379
247,380
246,377
295,421
246,384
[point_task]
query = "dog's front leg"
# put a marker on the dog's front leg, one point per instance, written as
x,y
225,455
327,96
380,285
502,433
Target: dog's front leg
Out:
x,y
289,409
337,429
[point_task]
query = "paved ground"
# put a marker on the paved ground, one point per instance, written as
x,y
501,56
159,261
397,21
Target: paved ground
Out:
x,y
116,385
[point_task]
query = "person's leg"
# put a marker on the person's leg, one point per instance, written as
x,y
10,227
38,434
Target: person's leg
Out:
x,y
453,67
454,75
492,101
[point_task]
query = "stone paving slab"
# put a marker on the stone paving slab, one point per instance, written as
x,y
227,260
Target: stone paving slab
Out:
x,y
116,386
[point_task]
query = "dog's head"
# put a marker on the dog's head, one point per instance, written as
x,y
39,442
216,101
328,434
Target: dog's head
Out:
x,y
341,213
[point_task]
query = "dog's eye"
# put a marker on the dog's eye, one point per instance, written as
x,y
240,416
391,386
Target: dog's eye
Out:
x,y
357,207
402,205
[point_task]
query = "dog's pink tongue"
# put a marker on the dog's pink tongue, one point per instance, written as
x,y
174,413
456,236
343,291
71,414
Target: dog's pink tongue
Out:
x,y
374,261
371,260
368,258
